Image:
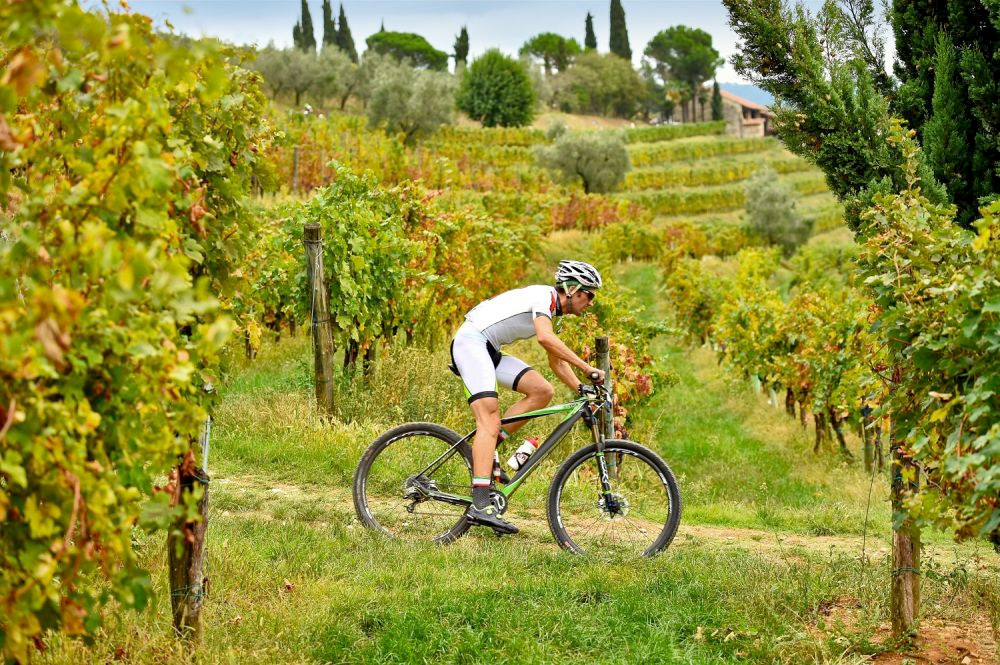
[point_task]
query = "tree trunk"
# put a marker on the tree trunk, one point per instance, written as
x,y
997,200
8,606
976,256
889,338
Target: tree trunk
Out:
x,y
838,430
905,598
802,413
351,355
866,437
790,402
820,422
369,361
186,554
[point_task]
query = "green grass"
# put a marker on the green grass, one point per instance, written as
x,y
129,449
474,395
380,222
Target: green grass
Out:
x,y
769,542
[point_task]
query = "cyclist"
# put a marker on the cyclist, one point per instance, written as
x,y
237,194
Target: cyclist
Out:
x,y
475,352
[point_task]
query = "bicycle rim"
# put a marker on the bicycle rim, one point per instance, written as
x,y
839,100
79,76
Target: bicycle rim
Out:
x,y
641,524
389,501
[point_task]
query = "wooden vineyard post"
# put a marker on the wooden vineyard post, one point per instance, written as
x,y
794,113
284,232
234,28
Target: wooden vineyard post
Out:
x,y
186,545
322,331
905,598
603,347
295,169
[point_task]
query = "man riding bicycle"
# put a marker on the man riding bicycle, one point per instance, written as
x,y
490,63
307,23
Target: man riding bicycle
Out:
x,y
513,315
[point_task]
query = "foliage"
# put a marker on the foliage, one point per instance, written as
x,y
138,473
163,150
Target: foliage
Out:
x,y
590,39
337,77
717,113
711,171
772,215
411,102
497,91
684,54
618,40
365,256
555,51
408,46
329,27
131,156
599,84
303,36
598,159
344,38
948,59
829,107
290,70
937,300
461,53
646,154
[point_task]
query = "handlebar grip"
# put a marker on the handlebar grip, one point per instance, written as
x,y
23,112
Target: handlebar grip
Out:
x,y
594,376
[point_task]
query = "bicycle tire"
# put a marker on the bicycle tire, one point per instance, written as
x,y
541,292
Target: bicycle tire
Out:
x,y
382,505
575,506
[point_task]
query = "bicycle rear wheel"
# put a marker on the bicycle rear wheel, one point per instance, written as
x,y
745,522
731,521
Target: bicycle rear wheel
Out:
x,y
641,519
397,474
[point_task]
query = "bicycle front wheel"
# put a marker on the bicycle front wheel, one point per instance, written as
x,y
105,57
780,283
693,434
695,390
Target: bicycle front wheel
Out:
x,y
638,517
405,476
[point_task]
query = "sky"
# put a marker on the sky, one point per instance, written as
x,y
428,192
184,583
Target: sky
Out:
x,y
503,24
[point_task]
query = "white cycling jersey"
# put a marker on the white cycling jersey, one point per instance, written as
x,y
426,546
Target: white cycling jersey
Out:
x,y
511,315
506,318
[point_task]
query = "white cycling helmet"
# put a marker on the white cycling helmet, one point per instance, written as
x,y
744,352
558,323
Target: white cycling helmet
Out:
x,y
578,273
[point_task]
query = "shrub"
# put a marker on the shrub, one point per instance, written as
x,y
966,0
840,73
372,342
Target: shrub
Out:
x,y
599,159
497,90
411,102
771,213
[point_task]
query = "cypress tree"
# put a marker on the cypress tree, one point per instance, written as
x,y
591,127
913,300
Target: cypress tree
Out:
x,y
344,39
590,39
948,62
462,46
947,132
308,37
297,35
619,33
329,29
716,102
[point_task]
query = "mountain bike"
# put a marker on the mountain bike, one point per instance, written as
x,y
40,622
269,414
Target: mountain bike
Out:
x,y
414,482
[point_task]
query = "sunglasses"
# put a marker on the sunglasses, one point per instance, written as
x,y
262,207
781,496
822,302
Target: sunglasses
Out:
x,y
590,294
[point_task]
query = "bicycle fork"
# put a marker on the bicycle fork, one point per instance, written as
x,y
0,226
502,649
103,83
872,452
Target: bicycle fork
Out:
x,y
609,501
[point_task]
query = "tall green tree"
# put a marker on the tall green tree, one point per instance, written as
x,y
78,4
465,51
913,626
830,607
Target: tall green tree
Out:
x,y
590,38
825,78
959,101
344,39
329,28
307,38
684,54
716,102
462,46
411,46
297,34
555,51
601,84
411,103
619,33
497,91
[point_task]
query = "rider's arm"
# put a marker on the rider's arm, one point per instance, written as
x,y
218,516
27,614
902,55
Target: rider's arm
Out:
x,y
562,369
558,351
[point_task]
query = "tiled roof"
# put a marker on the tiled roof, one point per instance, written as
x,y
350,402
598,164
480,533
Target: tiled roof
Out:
x,y
736,99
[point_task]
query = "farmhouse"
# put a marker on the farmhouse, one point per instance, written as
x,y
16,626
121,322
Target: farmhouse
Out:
x,y
745,118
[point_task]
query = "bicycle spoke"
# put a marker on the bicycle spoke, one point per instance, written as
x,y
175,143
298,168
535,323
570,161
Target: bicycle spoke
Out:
x,y
633,520
396,488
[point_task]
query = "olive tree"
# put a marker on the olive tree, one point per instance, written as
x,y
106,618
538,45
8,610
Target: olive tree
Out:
x,y
597,159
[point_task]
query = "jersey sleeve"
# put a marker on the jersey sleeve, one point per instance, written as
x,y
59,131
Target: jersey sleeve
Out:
x,y
544,304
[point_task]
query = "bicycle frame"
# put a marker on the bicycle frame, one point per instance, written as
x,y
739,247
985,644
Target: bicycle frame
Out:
x,y
588,407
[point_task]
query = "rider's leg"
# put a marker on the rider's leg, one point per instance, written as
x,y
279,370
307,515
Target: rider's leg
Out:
x,y
538,393
487,413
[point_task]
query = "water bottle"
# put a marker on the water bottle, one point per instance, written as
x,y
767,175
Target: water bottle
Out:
x,y
523,452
